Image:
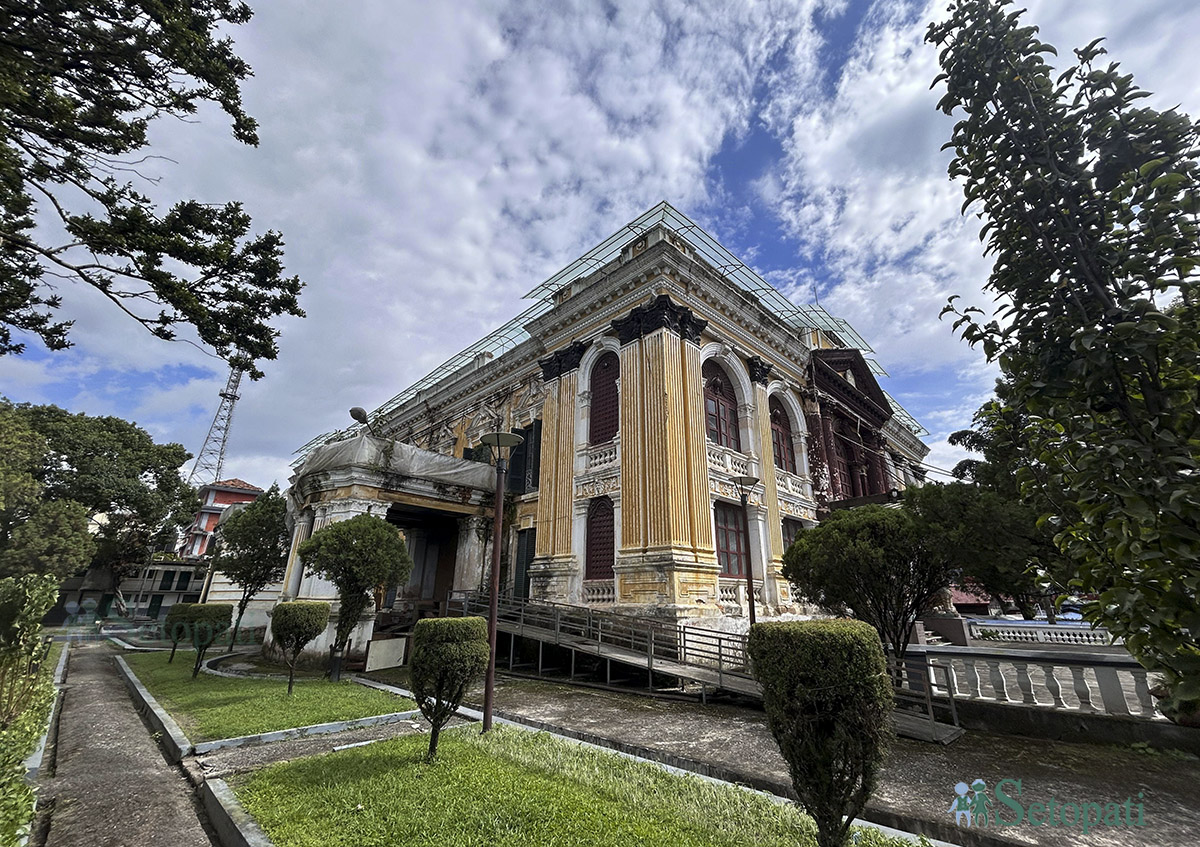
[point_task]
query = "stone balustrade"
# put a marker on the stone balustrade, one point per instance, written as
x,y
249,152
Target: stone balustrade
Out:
x,y
602,456
730,461
599,592
1082,682
1064,633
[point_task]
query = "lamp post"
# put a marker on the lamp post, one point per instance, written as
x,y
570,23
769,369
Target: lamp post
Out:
x,y
497,441
744,484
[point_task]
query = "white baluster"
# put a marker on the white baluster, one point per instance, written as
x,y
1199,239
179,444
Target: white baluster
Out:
x,y
1053,687
1141,685
997,681
1082,691
972,679
1025,683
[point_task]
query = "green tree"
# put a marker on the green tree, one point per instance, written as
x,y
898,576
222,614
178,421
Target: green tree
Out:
x,y
357,555
293,626
828,699
448,655
994,542
252,548
208,622
114,469
81,84
36,536
178,626
875,562
1091,210
53,539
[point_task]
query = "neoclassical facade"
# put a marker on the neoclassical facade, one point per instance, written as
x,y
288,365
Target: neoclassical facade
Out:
x,y
648,375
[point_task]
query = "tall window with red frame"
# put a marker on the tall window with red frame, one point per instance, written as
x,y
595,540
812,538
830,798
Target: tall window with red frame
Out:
x,y
733,549
720,407
781,437
606,408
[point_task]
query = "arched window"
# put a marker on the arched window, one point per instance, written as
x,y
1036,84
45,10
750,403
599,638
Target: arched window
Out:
x,y
720,407
781,437
606,410
601,540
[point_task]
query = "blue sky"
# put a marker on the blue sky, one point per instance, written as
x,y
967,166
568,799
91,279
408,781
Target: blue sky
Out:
x,y
428,164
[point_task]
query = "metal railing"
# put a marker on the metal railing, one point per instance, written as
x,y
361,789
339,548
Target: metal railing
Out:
x,y
663,647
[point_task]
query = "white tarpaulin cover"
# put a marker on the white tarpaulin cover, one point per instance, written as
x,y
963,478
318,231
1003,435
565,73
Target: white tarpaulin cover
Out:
x,y
387,456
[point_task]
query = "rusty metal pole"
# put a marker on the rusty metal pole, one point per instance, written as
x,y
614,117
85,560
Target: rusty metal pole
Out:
x,y
489,686
749,564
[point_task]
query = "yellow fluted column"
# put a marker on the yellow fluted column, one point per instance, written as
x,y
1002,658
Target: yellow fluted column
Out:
x,y
773,555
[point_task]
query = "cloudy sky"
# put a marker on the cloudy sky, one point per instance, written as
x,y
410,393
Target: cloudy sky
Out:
x,y
429,163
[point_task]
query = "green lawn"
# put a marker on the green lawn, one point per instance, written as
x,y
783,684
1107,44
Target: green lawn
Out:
x,y
509,788
211,707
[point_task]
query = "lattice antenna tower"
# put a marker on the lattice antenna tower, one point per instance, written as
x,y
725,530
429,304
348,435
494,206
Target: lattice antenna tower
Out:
x,y
212,455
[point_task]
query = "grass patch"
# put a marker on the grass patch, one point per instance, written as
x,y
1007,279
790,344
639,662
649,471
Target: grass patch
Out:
x,y
211,707
509,788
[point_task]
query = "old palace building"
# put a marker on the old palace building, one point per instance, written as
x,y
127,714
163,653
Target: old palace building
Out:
x,y
647,376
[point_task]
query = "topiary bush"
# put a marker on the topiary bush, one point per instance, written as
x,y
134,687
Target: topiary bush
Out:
x,y
295,624
178,626
828,699
208,622
448,654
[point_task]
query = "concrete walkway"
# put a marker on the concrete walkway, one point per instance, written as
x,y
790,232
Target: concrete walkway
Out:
x,y
112,787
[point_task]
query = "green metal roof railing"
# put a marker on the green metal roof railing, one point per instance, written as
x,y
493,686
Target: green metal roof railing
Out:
x,y
513,333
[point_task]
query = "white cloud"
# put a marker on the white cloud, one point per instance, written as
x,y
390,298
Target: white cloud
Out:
x,y
429,163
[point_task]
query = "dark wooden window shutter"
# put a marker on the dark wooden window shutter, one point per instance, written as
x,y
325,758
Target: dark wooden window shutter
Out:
x,y
606,410
601,539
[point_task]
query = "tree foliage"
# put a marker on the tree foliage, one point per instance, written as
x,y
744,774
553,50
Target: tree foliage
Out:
x,y
177,626
36,536
111,468
1090,208
357,555
251,548
874,562
81,85
994,542
828,700
448,655
293,626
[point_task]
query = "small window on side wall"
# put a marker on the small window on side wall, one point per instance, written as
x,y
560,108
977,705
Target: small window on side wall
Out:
x,y
605,419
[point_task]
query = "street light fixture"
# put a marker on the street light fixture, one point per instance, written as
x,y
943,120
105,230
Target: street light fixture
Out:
x,y
497,441
744,484
360,414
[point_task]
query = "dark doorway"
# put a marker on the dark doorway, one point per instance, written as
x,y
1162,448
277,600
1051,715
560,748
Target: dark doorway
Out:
x,y
433,544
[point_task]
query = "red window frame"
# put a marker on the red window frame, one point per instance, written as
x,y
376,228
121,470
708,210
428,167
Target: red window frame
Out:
x,y
781,437
720,408
733,548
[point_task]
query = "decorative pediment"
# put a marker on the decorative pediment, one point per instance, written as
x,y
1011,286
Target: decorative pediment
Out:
x,y
844,374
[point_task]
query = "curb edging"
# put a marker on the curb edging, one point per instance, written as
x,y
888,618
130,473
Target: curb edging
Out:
x,y
301,732
174,741
234,825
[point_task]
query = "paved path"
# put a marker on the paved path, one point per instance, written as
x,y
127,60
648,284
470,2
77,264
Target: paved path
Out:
x,y
112,787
